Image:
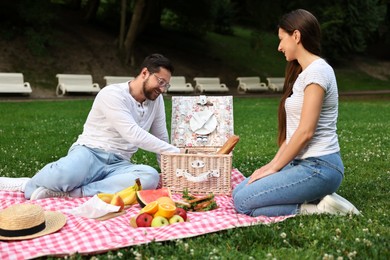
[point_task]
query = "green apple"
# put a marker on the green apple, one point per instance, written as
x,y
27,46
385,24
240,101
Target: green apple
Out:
x,y
175,219
159,221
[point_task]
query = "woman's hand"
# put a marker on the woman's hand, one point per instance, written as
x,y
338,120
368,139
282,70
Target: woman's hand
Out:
x,y
261,173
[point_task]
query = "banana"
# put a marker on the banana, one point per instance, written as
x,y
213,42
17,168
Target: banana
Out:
x,y
129,194
106,197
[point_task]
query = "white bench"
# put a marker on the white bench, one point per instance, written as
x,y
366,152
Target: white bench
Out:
x,y
275,84
247,84
117,79
178,84
209,85
14,83
75,83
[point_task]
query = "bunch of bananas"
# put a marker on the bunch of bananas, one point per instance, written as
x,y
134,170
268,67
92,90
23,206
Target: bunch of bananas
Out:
x,y
128,195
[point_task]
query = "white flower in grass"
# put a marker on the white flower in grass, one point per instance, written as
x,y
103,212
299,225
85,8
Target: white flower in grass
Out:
x,y
367,242
352,254
327,257
283,235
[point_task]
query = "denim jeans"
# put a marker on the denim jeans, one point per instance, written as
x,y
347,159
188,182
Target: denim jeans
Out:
x,y
86,172
283,192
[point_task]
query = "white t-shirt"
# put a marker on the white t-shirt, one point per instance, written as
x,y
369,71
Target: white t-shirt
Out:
x,y
325,140
118,124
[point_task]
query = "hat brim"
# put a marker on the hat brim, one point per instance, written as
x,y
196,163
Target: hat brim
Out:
x,y
54,222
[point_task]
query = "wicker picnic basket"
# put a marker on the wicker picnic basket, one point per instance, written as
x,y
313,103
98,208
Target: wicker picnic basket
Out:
x,y
200,125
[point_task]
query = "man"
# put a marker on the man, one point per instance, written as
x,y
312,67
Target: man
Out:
x,y
123,118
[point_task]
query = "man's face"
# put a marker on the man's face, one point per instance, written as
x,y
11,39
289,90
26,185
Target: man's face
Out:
x,y
156,83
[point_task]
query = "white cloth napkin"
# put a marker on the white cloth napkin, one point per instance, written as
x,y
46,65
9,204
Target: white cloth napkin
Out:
x,y
93,208
203,122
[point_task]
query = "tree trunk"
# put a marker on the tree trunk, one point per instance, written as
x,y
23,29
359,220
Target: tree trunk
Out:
x,y
122,24
91,9
133,30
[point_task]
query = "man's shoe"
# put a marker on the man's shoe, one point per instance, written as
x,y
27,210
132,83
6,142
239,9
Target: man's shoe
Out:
x,y
335,204
43,193
13,184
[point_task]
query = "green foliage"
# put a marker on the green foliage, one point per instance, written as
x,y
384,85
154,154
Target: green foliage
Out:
x,y
347,26
198,17
44,131
32,19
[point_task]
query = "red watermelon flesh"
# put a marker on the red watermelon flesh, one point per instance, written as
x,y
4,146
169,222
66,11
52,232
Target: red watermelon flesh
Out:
x,y
146,196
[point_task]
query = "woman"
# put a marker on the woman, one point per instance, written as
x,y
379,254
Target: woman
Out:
x,y
307,166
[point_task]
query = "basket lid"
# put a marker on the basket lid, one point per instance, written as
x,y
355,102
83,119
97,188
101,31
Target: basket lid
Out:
x,y
201,120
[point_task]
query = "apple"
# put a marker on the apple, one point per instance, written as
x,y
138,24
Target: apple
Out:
x,y
144,220
160,221
175,219
182,213
118,201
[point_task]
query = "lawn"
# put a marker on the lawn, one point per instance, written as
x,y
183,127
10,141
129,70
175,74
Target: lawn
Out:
x,y
35,133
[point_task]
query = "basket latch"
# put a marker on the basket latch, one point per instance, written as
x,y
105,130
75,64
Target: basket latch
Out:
x,y
202,177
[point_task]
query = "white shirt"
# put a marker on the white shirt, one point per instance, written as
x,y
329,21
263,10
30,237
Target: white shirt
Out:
x,y
325,140
118,124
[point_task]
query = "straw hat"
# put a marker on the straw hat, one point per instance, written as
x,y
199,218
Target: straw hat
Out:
x,y
27,221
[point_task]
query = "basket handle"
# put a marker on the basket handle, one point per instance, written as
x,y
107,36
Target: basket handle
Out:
x,y
202,177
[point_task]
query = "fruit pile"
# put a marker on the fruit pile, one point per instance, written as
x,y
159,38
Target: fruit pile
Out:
x,y
161,212
125,197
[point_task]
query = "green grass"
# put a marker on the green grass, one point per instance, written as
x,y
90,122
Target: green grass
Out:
x,y
35,133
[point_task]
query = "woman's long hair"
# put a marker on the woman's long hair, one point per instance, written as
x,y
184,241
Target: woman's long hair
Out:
x,y
308,26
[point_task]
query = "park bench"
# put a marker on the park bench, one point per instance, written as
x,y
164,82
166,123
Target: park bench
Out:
x,y
14,83
275,84
178,84
117,79
75,83
250,84
209,84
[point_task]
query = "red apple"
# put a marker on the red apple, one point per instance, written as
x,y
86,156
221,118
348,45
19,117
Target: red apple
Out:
x,y
182,213
144,220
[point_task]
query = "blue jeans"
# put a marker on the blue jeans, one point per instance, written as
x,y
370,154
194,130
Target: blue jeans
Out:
x,y
283,192
86,172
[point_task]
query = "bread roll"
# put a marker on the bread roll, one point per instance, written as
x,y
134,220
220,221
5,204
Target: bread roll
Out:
x,y
229,145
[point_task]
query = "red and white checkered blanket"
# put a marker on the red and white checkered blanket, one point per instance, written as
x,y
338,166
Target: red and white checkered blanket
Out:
x,y
86,236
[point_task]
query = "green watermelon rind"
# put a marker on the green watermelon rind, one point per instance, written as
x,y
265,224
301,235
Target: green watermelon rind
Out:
x,y
146,196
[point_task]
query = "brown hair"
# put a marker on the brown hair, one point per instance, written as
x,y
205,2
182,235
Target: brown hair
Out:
x,y
308,26
156,61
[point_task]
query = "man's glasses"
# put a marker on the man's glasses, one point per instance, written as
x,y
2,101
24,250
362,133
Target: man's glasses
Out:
x,y
162,83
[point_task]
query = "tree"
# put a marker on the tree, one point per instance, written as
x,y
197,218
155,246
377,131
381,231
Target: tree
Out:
x,y
347,26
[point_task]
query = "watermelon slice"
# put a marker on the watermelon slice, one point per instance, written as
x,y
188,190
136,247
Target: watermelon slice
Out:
x,y
146,196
